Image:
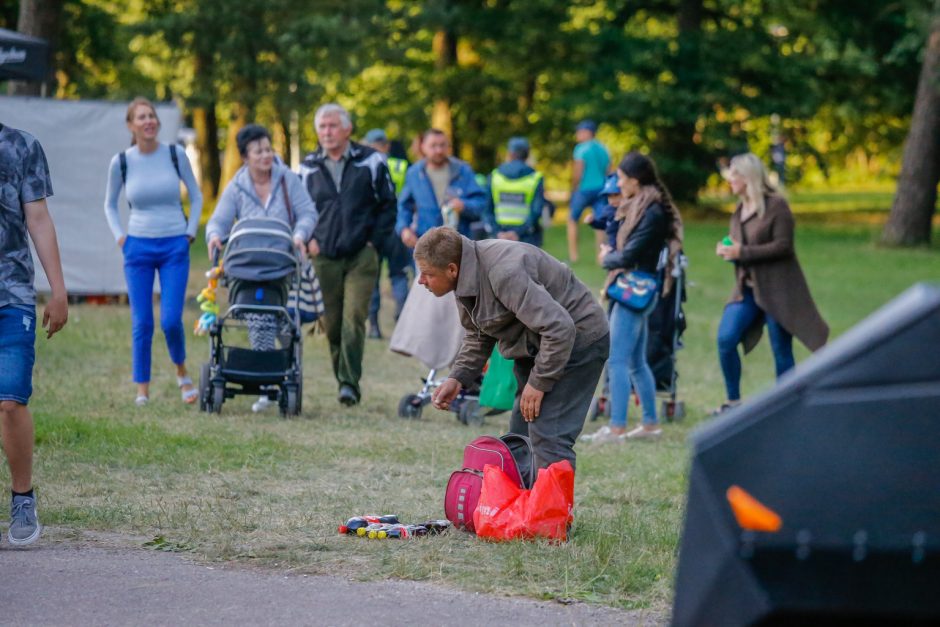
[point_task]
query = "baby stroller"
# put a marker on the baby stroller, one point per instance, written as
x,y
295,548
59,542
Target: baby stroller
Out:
x,y
260,266
666,326
429,329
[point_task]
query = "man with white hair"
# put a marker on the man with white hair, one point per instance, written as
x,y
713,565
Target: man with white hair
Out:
x,y
354,196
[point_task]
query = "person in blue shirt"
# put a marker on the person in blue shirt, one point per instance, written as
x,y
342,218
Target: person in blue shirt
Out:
x,y
515,199
439,190
590,166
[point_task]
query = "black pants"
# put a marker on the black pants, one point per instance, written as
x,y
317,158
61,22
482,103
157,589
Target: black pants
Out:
x,y
565,408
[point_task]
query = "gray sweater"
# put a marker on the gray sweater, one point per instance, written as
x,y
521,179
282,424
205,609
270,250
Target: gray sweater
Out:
x,y
239,200
153,189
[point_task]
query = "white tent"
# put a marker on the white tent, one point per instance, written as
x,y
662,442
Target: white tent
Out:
x,y
79,138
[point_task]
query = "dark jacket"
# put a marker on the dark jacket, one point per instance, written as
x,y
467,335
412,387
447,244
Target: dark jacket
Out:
x,y
769,257
361,212
645,244
529,302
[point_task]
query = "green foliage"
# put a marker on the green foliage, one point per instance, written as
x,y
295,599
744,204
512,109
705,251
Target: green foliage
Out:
x,y
690,81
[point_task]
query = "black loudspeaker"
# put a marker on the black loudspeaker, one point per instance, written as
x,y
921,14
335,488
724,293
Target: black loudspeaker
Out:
x,y
842,460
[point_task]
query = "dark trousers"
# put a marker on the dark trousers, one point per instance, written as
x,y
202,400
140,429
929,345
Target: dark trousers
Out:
x,y
347,287
565,408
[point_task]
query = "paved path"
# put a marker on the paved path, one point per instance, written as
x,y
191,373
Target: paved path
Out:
x,y
61,581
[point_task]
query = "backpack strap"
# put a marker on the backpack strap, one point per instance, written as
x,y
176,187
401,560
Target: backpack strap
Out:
x,y
290,213
176,160
122,157
176,166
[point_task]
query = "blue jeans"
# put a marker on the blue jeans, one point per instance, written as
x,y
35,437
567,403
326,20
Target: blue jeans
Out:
x,y
17,352
735,321
627,361
144,256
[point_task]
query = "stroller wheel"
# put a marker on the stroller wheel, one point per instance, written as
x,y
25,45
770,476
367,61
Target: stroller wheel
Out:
x,y
672,411
218,396
594,411
471,413
204,386
291,404
410,406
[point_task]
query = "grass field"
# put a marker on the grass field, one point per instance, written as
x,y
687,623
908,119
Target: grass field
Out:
x,y
263,490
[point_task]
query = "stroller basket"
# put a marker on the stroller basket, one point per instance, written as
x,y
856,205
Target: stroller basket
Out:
x,y
245,364
259,249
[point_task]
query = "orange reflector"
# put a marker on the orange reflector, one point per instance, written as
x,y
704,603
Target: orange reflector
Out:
x,y
751,513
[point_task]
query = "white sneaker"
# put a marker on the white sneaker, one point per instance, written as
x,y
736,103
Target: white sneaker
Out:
x,y
141,400
604,434
641,433
261,404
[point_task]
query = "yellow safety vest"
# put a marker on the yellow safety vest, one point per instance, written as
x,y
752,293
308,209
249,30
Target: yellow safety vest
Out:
x,y
397,169
512,198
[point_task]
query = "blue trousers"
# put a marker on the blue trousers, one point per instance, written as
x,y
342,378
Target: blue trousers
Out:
x,y
628,336
144,256
735,321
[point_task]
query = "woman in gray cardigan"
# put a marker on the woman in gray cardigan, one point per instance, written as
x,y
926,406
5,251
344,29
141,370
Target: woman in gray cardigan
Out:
x,y
262,187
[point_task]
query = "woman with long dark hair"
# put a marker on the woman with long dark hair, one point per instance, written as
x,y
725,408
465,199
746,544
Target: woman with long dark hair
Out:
x,y
648,222
156,241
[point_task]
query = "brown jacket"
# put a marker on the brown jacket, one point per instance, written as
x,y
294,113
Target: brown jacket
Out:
x,y
527,301
780,289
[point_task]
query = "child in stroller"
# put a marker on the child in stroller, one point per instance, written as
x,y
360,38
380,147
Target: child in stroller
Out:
x,y
260,267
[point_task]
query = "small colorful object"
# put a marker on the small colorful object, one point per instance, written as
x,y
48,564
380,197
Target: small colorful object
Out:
x,y
207,302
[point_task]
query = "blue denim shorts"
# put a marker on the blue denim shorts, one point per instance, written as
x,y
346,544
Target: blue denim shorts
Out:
x,y
17,352
582,199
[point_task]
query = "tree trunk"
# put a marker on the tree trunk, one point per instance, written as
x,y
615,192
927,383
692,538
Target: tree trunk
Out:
x,y
39,18
206,125
207,140
681,159
916,199
232,159
445,57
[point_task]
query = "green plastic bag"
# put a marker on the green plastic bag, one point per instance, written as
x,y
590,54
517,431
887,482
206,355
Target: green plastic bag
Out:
x,y
499,384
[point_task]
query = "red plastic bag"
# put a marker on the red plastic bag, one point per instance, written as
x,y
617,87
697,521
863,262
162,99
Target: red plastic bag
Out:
x,y
508,512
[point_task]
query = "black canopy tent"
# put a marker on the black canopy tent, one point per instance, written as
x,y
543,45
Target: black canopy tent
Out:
x,y
846,452
23,58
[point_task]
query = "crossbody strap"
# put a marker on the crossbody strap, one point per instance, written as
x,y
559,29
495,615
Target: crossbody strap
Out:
x,y
290,213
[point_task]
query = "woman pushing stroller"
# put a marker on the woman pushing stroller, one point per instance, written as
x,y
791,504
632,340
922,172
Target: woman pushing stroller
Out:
x,y
263,188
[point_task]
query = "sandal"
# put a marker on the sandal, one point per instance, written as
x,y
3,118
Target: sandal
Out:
x,y
189,396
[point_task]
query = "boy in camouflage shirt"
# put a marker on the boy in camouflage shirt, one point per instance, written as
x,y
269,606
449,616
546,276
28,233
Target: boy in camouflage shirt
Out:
x,y
24,186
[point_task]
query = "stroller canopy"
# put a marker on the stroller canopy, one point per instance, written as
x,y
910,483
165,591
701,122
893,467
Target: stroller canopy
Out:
x,y
260,249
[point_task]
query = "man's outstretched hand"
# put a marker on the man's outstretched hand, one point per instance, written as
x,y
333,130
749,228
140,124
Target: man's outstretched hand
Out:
x,y
445,393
